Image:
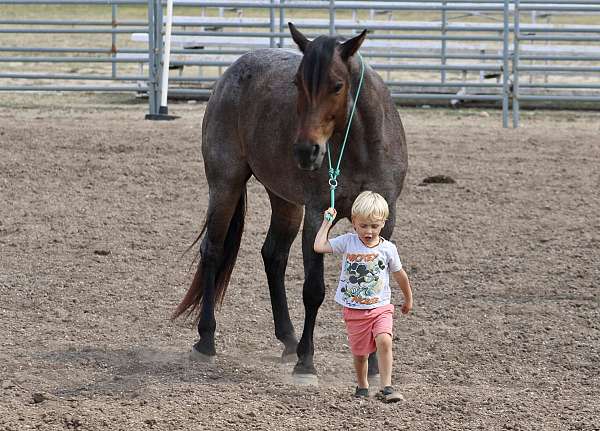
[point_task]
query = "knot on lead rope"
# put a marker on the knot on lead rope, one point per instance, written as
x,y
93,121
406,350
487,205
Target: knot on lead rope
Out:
x,y
333,174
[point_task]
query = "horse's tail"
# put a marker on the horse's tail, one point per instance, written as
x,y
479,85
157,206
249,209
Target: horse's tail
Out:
x,y
194,296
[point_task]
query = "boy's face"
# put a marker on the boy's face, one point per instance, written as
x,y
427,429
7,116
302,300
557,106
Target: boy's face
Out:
x,y
368,229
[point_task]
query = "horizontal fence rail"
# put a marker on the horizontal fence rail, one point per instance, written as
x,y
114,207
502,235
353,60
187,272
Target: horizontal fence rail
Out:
x,y
509,53
59,52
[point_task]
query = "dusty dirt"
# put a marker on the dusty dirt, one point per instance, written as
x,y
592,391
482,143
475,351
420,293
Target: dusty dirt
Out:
x,y
98,206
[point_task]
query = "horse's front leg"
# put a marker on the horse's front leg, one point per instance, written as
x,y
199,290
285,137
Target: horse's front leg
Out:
x,y
313,293
285,223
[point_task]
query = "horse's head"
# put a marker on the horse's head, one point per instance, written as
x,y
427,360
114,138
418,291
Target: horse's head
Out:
x,y
323,83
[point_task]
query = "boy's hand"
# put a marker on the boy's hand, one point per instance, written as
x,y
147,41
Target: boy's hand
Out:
x,y
406,307
329,215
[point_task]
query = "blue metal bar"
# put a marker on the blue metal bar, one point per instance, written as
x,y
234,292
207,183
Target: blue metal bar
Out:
x,y
113,37
281,23
444,29
153,56
115,89
558,98
72,30
515,64
67,22
331,17
272,43
68,60
505,65
70,76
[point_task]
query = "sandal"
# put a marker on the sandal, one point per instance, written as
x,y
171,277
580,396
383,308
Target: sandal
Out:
x,y
361,392
389,395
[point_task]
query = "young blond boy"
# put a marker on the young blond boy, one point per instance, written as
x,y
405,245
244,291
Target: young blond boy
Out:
x,y
364,288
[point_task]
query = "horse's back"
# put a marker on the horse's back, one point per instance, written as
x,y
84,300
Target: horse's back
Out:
x,y
250,73
248,113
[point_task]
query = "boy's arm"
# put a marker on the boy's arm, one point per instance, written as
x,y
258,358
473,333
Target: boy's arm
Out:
x,y
321,244
402,280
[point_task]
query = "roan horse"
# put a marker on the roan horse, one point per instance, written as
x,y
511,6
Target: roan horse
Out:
x,y
271,115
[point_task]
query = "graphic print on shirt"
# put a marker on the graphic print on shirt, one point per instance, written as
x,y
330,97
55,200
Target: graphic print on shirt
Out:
x,y
363,284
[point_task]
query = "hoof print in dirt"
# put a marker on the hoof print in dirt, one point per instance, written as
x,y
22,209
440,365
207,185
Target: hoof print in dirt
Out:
x,y
38,398
150,422
72,423
438,179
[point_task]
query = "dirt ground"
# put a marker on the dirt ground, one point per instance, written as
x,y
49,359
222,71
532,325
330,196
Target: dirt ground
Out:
x,y
99,205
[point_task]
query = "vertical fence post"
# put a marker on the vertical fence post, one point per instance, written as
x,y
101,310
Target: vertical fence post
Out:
x,y
281,23
272,24
515,63
113,38
331,17
444,24
160,63
505,65
153,59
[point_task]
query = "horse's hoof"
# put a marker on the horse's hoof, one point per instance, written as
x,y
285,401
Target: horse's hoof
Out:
x,y
197,356
305,379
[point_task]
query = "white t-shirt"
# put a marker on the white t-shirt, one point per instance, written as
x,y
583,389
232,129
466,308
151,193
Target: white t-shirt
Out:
x,y
365,277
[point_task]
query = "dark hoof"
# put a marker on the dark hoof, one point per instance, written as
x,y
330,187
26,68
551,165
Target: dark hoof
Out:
x,y
197,356
305,375
201,353
305,379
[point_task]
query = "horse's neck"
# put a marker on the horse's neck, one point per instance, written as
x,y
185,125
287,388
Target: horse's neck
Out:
x,y
365,142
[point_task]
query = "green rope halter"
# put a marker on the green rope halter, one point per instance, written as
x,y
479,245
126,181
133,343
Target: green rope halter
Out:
x,y
334,173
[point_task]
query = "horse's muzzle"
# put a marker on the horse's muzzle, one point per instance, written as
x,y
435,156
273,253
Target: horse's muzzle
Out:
x,y
309,155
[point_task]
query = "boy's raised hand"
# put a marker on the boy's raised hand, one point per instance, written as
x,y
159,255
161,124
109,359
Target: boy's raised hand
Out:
x,y
329,215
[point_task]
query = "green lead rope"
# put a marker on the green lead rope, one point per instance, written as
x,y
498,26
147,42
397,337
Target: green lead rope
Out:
x,y
334,173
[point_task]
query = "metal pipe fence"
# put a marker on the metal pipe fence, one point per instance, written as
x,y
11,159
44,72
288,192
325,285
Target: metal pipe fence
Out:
x,y
69,54
447,51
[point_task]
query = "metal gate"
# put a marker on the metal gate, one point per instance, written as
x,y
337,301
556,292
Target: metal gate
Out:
x,y
508,53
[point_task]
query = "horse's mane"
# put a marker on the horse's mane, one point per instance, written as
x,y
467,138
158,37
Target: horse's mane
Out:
x,y
317,60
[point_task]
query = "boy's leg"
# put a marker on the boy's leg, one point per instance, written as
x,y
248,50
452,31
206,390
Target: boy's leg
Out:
x,y
385,358
361,367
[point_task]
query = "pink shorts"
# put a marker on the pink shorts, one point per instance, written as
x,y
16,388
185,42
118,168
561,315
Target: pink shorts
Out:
x,y
364,325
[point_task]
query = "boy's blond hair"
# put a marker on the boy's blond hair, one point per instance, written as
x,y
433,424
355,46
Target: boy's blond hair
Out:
x,y
370,205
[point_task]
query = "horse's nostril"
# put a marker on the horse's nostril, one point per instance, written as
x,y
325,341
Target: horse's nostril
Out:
x,y
315,151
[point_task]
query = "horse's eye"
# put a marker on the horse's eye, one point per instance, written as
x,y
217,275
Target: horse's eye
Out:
x,y
338,87
295,81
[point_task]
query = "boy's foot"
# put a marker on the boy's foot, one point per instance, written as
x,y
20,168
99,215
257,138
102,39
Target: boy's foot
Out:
x,y
361,392
389,395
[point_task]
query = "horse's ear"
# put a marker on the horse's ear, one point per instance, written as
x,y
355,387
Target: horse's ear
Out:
x,y
298,37
349,48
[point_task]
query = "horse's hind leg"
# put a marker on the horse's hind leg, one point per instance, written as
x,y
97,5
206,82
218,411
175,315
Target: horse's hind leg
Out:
x,y
285,223
224,225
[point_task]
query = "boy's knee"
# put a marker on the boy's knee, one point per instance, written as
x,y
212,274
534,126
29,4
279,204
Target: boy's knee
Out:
x,y
383,341
361,358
